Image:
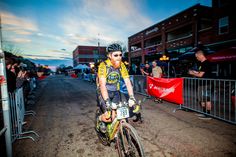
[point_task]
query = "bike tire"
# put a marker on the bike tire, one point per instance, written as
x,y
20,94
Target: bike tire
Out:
x,y
128,137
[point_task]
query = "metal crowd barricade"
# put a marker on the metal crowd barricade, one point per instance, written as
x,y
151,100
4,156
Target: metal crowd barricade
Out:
x,y
32,84
218,95
90,78
86,77
18,113
140,84
2,131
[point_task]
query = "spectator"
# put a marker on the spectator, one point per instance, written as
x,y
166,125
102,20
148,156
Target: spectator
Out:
x,y
156,70
138,71
204,71
146,70
15,67
11,77
156,73
21,78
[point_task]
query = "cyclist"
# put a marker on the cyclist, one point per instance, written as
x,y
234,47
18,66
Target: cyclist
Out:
x,y
109,74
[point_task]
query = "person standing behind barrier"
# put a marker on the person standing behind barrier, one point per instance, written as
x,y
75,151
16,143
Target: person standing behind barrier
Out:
x,y
156,73
11,77
156,70
21,76
204,71
146,71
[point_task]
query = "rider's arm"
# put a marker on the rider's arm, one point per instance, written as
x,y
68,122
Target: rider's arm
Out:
x,y
146,73
125,75
129,86
102,84
102,80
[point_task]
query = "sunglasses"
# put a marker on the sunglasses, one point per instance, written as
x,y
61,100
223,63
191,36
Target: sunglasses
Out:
x,y
116,55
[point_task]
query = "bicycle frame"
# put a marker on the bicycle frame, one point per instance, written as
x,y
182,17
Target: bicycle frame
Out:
x,y
113,127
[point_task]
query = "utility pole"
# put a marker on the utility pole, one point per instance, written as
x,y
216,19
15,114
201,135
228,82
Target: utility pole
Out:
x,y
1,31
98,46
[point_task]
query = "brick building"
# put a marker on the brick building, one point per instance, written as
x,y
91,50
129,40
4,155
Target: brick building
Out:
x,y
213,27
88,54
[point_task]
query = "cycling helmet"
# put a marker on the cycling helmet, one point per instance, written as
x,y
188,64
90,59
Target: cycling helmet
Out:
x,y
113,48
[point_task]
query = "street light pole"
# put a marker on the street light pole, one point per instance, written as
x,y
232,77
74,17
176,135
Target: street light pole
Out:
x,y
98,46
1,31
165,58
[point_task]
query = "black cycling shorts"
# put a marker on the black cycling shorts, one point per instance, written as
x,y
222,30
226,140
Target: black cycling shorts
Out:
x,y
114,96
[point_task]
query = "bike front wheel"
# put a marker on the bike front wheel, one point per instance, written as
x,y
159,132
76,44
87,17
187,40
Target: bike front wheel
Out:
x,y
128,142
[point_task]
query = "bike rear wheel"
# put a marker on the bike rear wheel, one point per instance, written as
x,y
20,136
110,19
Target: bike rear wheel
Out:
x,y
128,142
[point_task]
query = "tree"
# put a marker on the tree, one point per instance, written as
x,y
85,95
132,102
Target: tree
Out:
x,y
63,69
12,49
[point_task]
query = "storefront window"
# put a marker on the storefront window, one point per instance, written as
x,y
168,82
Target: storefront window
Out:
x,y
224,25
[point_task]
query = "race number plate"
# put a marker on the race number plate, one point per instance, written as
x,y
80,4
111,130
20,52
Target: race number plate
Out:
x,y
122,113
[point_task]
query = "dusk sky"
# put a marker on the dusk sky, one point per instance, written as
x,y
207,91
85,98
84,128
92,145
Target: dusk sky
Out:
x,y
47,31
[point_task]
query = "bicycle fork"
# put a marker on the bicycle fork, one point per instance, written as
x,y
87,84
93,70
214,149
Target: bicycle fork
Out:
x,y
125,143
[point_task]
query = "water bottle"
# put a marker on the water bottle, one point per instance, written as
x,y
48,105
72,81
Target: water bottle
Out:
x,y
109,128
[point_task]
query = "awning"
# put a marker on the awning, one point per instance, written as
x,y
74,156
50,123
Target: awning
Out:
x,y
81,66
223,55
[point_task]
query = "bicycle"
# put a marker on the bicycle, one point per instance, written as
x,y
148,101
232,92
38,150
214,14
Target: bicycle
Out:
x,y
120,132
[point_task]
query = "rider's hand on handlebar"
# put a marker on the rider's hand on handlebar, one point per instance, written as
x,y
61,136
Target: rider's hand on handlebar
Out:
x,y
131,101
108,109
108,104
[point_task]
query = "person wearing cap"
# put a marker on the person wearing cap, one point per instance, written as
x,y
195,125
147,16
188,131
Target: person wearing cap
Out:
x,y
109,74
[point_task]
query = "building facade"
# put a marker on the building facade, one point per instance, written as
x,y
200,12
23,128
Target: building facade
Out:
x,y
88,54
213,27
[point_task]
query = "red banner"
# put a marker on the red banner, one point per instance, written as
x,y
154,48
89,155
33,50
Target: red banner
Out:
x,y
42,77
2,79
166,89
73,76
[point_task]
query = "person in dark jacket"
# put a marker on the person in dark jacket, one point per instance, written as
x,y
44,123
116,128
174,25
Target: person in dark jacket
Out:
x,y
11,77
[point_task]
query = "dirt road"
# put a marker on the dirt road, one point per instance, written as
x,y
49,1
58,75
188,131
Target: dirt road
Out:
x,y
65,122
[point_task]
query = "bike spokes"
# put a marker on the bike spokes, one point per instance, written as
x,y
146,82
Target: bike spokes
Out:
x,y
128,141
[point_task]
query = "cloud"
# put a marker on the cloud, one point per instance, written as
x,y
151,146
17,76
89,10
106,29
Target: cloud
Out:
x,y
86,23
52,62
22,32
113,20
18,23
65,42
21,40
49,55
42,57
17,29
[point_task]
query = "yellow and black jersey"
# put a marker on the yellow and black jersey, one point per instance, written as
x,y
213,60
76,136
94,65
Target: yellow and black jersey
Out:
x,y
112,75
